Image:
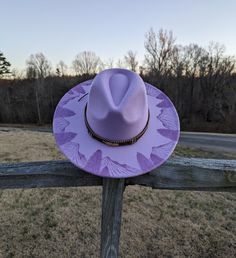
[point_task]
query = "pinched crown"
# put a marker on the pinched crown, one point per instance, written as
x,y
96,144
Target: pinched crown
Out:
x,y
117,107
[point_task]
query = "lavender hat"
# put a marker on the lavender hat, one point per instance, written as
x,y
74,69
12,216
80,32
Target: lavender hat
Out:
x,y
116,125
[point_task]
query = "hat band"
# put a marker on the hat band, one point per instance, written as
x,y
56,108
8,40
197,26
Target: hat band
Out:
x,y
112,142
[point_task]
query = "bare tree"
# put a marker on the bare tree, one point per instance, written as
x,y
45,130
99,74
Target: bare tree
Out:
x,y
31,72
177,64
218,63
120,63
141,70
109,63
87,62
190,62
159,51
216,69
61,69
131,60
38,66
192,59
17,74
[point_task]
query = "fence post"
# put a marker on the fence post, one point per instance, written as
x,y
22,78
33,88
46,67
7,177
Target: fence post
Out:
x,y
112,199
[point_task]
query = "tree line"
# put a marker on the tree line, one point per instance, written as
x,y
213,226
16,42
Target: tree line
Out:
x,y
163,58
201,81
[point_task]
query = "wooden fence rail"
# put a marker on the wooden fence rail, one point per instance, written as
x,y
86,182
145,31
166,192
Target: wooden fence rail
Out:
x,y
176,174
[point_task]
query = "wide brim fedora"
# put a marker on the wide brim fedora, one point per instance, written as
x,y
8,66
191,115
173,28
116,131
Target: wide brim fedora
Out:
x,y
150,151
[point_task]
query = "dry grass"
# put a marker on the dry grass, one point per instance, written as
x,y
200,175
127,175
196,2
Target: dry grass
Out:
x,y
66,222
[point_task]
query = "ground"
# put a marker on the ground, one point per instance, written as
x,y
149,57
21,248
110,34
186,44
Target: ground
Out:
x,y
65,222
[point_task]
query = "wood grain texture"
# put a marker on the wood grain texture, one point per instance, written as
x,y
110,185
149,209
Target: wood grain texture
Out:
x,y
112,199
44,174
191,174
175,174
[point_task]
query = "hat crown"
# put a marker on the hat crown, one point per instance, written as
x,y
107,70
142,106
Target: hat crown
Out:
x,y
117,107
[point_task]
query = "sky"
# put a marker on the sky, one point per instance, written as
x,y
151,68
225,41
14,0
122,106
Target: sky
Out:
x,y
61,29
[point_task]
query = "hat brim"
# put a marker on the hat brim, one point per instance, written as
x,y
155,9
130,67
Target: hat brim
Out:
x,y
85,152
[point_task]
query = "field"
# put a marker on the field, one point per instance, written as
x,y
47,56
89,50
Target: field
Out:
x,y
66,222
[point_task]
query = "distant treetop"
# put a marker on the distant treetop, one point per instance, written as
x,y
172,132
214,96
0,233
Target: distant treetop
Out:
x,y
4,65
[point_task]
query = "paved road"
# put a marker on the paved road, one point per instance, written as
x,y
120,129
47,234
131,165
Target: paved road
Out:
x,y
209,141
205,141
25,128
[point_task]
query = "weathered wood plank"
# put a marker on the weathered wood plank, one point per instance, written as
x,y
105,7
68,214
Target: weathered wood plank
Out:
x,y
186,178
217,164
191,174
177,173
112,199
45,174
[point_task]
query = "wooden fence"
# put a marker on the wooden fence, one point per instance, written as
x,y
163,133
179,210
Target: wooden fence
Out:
x,y
176,174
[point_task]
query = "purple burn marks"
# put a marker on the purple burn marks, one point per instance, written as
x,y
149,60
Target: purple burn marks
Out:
x,y
164,104
161,96
87,83
70,92
60,124
94,162
105,172
170,134
79,89
63,138
81,156
152,91
63,112
156,159
144,163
